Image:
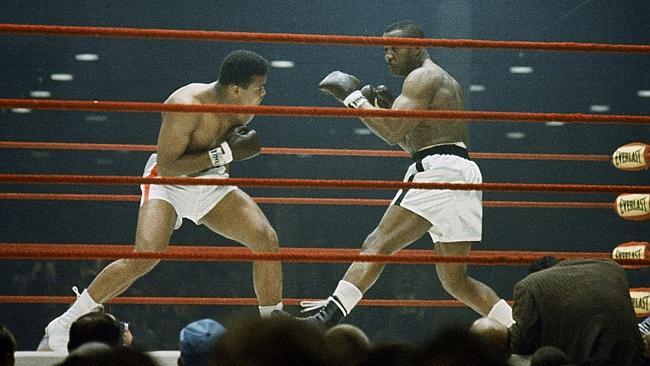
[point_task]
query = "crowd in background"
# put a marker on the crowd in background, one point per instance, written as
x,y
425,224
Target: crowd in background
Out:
x,y
100,339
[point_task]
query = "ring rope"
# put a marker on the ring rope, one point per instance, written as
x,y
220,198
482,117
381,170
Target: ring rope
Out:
x,y
315,38
300,151
274,110
299,200
318,183
11,299
319,255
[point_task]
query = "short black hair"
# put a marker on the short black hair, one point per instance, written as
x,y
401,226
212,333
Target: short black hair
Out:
x,y
94,327
240,66
7,342
409,29
543,263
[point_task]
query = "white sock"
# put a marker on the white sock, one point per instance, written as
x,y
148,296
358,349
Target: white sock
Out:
x,y
502,313
348,295
84,304
265,311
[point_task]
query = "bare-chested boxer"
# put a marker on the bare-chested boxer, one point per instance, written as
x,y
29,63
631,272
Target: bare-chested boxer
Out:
x,y
438,148
198,145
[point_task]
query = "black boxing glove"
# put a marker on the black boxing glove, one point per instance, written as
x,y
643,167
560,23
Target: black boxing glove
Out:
x,y
241,144
340,85
380,96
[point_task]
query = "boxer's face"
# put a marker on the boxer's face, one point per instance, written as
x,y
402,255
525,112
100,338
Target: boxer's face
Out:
x,y
400,60
255,91
252,94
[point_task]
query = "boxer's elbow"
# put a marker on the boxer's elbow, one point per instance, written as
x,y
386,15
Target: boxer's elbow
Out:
x,y
168,167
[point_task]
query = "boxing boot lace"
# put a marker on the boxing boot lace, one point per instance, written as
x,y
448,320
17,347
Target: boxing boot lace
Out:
x,y
330,312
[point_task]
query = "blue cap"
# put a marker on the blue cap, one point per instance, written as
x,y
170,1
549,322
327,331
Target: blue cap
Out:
x,y
196,340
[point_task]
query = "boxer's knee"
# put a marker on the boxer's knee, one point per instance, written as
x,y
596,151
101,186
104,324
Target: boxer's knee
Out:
x,y
139,267
453,278
265,240
375,243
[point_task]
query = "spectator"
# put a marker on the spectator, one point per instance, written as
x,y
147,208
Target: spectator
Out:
x,y
101,354
271,341
7,347
549,356
95,327
457,346
392,354
85,354
197,339
349,343
497,335
581,307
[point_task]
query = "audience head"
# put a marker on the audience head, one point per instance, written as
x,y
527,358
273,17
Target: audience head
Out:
x,y
271,341
548,356
493,332
543,263
101,354
349,343
392,354
196,341
95,327
458,346
7,347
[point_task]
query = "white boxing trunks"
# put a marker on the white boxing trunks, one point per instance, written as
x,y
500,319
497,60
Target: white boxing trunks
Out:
x,y
192,202
454,215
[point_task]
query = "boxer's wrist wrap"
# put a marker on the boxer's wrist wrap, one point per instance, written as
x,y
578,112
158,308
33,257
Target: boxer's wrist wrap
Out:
x,y
220,155
355,99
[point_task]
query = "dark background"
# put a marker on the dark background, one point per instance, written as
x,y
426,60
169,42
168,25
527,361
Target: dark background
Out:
x,y
149,70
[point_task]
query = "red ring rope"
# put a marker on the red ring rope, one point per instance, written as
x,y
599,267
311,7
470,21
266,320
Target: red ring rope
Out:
x,y
317,111
10,299
298,200
299,151
320,255
319,183
315,38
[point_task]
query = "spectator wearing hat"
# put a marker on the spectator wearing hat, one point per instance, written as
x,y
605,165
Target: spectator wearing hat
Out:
x,y
197,339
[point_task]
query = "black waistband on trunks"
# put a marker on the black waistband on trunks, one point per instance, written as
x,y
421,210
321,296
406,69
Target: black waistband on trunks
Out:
x,y
449,149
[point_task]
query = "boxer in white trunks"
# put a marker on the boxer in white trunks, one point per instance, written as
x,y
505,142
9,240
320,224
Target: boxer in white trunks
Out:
x,y
438,148
197,145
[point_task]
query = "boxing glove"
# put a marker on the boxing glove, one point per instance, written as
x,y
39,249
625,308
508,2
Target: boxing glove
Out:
x,y
380,96
340,85
241,144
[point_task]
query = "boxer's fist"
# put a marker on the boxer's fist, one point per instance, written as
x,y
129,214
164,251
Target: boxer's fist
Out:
x,y
380,96
241,144
244,143
339,84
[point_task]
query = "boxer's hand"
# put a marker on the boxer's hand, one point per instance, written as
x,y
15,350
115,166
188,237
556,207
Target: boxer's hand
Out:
x,y
241,144
340,85
380,96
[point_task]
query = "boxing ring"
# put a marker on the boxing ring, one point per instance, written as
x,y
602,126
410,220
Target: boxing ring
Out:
x,y
630,202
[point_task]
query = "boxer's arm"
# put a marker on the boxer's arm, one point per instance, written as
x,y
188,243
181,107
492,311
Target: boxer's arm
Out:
x,y
417,92
173,140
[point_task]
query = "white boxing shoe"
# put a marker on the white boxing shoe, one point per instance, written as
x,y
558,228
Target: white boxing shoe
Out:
x,y
57,331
